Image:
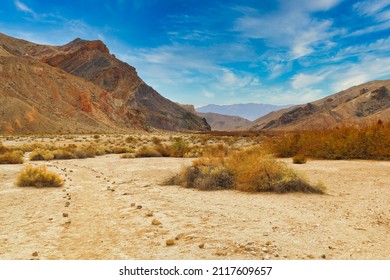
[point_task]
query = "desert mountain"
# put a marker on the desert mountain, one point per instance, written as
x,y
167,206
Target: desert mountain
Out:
x,y
128,101
249,111
224,122
358,105
218,121
35,97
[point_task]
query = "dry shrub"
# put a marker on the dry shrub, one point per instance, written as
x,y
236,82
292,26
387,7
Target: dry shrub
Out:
x,y
63,154
178,149
12,157
156,140
346,142
257,171
130,139
249,170
299,159
216,150
41,154
122,150
3,149
127,155
38,177
164,150
85,152
147,152
208,177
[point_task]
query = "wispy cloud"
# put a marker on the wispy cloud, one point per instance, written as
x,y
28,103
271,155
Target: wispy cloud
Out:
x,y
23,7
301,81
371,8
292,26
378,10
369,68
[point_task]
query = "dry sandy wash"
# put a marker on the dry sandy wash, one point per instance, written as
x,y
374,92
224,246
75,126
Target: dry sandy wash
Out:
x,y
96,214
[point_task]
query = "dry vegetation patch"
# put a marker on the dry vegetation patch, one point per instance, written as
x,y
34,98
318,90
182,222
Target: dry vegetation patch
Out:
x,y
12,157
347,142
38,177
249,170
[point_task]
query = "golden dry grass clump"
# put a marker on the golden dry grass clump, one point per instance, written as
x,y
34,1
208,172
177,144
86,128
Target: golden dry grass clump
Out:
x,y
41,154
249,170
38,177
12,157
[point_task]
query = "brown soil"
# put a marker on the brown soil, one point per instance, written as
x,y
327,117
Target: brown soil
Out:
x,y
98,214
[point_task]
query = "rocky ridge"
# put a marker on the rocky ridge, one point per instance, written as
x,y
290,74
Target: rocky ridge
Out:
x,y
132,103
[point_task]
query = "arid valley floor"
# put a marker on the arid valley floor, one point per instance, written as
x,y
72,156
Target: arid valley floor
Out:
x,y
108,204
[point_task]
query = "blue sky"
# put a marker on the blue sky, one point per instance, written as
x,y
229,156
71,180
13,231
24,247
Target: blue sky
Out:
x,y
224,51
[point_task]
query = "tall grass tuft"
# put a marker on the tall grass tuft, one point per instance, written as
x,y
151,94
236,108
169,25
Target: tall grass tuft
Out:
x,y
38,177
12,157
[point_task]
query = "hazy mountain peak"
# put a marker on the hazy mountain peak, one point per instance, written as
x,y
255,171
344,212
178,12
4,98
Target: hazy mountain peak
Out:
x,y
249,111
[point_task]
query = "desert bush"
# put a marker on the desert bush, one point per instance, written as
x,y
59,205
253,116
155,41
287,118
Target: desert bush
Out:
x,y
255,171
3,149
179,148
127,155
38,177
85,152
156,140
249,170
299,159
346,142
12,157
216,150
121,150
130,139
208,177
41,154
63,154
147,152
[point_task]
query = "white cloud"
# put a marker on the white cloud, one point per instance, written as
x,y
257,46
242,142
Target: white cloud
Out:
x,y
370,68
379,10
370,8
292,26
300,81
23,7
208,94
283,96
379,46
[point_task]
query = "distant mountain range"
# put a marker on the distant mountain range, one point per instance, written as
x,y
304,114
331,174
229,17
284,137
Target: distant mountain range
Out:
x,y
224,122
79,87
249,111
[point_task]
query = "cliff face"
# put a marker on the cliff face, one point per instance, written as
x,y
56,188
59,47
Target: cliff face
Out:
x,y
35,97
133,103
358,105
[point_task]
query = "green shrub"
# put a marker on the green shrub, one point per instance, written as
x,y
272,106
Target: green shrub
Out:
x,y
38,177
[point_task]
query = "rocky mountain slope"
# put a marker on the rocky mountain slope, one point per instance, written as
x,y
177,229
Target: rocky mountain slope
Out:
x,y
358,105
249,111
128,101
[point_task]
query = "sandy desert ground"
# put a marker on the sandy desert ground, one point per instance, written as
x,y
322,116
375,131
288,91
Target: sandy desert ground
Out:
x,y
98,214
